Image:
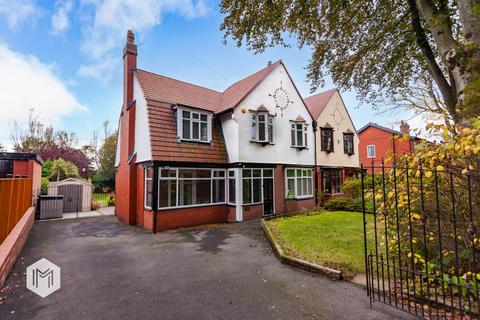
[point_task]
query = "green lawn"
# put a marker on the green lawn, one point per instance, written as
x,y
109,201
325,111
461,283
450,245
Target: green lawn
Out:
x,y
333,239
102,197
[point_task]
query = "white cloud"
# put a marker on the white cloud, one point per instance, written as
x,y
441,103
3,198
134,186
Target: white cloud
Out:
x,y
28,83
19,11
60,20
101,70
105,26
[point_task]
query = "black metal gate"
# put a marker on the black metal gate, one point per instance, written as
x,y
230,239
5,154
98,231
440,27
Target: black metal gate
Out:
x,y
422,250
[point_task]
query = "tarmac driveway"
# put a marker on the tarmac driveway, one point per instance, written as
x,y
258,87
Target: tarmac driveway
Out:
x,y
114,271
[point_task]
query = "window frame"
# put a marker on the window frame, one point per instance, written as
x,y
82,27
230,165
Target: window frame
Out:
x,y
350,136
178,179
251,178
6,168
234,178
267,128
192,120
294,130
145,179
330,148
374,151
295,178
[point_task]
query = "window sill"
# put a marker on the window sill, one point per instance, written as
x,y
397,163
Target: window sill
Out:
x,y
263,143
350,153
299,148
194,141
300,198
251,204
191,206
328,150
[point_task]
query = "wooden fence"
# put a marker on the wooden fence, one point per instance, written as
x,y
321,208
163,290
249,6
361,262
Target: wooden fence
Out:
x,y
15,199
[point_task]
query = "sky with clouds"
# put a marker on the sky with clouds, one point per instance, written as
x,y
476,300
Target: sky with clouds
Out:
x,y
63,58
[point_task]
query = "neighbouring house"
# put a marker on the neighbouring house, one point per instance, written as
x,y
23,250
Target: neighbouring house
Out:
x,y
189,155
377,142
337,154
22,165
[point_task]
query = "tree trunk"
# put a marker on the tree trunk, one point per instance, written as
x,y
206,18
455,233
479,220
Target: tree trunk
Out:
x,y
469,20
449,50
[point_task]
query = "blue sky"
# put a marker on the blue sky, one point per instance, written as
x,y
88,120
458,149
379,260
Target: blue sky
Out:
x,y
65,58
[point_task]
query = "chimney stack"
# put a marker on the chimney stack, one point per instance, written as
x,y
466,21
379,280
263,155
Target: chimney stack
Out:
x,y
129,65
269,63
404,127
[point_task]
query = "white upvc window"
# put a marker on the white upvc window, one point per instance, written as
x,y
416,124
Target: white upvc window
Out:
x,y
231,187
261,129
190,187
371,151
148,187
193,125
298,183
298,134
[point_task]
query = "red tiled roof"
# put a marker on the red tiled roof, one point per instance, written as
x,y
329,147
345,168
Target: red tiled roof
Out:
x,y
164,89
164,143
318,102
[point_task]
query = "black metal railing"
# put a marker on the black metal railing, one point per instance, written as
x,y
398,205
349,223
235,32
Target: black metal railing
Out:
x,y
424,256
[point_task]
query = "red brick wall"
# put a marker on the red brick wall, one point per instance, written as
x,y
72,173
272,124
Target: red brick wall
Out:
x,y
285,206
140,212
186,217
383,142
20,168
252,212
12,246
36,169
232,213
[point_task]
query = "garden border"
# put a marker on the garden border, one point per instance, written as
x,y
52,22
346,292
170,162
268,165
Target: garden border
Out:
x,y
295,262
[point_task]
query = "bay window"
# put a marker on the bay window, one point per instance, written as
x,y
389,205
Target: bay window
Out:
x,y
190,187
252,186
299,183
298,134
193,125
261,129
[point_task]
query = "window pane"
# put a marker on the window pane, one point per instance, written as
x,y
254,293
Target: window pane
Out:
x,y
257,190
186,114
309,186
257,173
270,128
186,129
299,137
204,117
299,172
267,173
148,193
218,189
218,173
149,172
185,192
196,130
202,191
290,188
195,115
247,173
261,131
247,190
305,186
231,173
204,131
168,173
194,173
231,190
168,193
290,173
299,187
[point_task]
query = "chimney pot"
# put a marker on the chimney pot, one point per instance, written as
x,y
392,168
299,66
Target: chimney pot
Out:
x,y
130,36
269,63
404,127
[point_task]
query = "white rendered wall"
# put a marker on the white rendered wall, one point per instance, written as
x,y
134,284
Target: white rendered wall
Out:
x,y
336,115
142,130
237,129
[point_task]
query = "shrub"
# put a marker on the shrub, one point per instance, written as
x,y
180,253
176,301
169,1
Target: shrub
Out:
x,y
111,201
344,203
44,186
95,205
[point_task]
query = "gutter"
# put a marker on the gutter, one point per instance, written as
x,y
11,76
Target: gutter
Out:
x,y
155,196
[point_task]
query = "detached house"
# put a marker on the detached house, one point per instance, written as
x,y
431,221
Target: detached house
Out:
x,y
189,155
337,154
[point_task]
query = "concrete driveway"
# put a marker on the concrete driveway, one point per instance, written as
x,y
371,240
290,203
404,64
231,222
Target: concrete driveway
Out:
x,y
115,271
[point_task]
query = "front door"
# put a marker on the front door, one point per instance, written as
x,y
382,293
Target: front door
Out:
x,y
268,206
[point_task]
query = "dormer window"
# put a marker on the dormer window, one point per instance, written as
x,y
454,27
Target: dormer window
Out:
x,y
194,125
298,133
261,127
326,136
